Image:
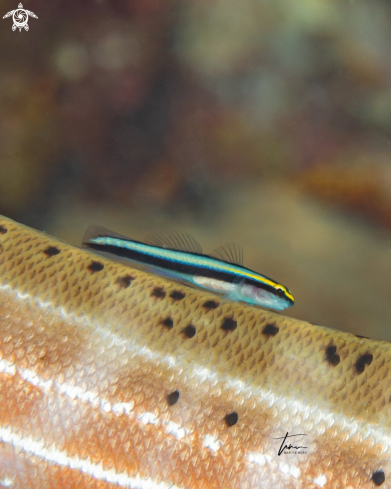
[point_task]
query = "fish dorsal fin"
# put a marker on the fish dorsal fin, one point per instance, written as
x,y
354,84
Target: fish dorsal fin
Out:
x,y
174,241
94,232
230,252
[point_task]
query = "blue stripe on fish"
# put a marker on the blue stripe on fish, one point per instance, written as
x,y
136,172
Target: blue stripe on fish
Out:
x,y
236,282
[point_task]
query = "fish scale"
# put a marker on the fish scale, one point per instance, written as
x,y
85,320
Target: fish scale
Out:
x,y
90,350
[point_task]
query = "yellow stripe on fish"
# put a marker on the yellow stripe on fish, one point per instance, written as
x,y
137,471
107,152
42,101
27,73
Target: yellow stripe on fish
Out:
x,y
186,262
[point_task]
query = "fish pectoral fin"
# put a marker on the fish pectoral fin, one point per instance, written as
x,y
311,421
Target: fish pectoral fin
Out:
x,y
229,252
174,240
94,232
232,296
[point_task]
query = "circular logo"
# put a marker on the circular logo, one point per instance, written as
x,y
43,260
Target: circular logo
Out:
x,y
20,18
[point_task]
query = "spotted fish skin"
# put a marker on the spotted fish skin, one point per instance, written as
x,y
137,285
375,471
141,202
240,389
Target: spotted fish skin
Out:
x,y
111,377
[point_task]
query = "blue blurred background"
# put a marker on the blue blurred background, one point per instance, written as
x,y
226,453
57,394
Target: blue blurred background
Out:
x,y
264,122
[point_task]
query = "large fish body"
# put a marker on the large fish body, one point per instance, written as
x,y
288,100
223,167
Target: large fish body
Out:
x,y
111,377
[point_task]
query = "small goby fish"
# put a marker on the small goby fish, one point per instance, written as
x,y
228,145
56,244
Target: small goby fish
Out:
x,y
180,257
114,378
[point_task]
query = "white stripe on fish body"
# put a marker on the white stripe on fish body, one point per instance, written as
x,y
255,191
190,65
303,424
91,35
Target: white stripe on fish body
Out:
x,y
216,285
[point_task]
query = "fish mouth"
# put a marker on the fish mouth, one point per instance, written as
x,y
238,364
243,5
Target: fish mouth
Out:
x,y
284,304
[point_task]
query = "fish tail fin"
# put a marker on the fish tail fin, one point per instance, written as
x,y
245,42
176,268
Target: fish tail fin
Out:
x,y
94,232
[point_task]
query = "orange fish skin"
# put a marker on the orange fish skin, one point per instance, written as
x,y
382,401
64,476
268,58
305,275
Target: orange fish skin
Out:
x,y
93,355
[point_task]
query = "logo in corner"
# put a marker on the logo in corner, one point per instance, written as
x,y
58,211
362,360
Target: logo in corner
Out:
x,y
20,17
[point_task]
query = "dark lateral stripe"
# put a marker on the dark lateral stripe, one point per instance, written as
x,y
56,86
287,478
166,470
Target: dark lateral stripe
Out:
x,y
166,264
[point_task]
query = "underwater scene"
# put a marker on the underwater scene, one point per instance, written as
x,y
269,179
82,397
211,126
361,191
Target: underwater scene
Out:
x,y
265,124
232,161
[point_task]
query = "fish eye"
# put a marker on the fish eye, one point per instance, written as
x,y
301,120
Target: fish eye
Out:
x,y
280,292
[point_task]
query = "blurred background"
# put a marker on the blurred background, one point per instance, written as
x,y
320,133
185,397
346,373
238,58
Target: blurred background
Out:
x,y
263,122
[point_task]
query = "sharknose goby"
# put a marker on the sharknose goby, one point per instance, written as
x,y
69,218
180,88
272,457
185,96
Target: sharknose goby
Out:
x,y
179,256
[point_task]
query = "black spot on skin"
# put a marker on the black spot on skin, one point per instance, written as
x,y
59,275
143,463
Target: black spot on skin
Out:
x,y
365,359
124,281
231,419
270,330
177,295
95,266
378,477
158,292
332,356
51,251
229,324
190,331
172,398
167,323
3,230
210,305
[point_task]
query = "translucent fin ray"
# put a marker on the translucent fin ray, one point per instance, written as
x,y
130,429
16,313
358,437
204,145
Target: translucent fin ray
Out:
x,y
94,232
174,241
230,252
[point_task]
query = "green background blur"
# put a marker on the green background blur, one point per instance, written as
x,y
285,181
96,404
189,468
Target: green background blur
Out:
x,y
263,122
